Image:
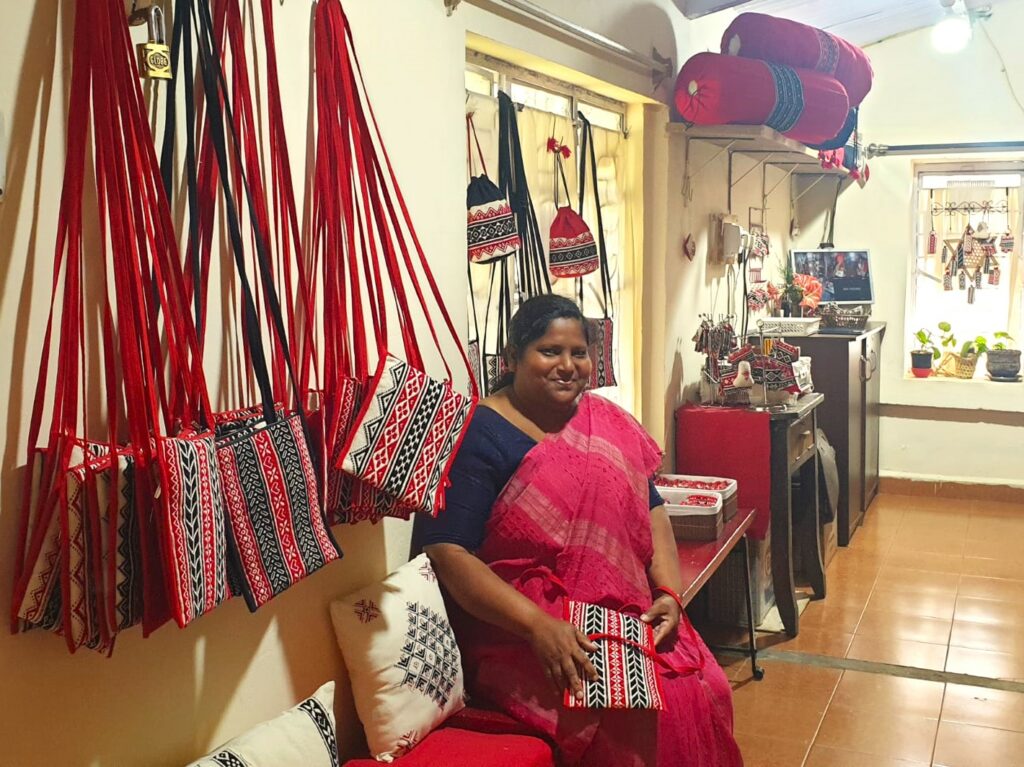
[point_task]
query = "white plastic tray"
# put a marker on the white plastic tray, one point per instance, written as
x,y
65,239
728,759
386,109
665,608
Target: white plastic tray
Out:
x,y
725,494
676,507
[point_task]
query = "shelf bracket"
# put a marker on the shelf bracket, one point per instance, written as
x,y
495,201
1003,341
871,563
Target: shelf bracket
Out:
x,y
688,177
810,186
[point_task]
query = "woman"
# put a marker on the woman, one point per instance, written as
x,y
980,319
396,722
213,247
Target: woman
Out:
x,y
551,493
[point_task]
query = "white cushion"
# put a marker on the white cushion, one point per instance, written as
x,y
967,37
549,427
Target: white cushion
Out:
x,y
304,736
401,655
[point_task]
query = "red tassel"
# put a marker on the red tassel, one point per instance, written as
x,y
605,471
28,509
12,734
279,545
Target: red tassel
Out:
x,y
933,241
565,151
552,144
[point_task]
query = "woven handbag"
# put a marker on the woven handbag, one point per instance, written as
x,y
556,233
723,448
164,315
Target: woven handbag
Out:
x,y
268,481
572,251
492,233
600,330
409,425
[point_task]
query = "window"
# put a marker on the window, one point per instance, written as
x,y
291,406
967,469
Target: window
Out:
x,y
977,292
547,108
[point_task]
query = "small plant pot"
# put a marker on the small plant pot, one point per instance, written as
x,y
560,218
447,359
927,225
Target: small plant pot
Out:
x,y
1003,363
921,363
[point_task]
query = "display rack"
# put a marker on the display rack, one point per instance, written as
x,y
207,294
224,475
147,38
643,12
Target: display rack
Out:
x,y
765,146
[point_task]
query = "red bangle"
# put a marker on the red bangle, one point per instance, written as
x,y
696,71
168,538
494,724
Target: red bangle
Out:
x,y
678,600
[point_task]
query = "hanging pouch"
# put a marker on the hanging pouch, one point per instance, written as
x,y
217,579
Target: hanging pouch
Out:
x,y
572,251
491,233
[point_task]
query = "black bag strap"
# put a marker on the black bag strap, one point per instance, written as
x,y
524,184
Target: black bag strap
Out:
x,y
531,270
589,154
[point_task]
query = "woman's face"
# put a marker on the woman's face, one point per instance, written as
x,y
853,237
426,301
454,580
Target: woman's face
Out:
x,y
555,368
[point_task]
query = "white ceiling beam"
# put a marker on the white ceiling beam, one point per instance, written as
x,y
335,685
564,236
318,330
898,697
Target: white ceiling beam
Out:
x,y
694,9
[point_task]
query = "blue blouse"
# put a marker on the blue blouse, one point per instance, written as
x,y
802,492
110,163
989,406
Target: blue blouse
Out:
x,y
491,451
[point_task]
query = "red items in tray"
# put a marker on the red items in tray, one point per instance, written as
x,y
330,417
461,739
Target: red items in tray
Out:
x,y
691,484
701,500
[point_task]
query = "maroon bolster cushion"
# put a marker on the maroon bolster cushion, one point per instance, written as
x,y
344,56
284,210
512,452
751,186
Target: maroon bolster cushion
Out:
x,y
452,747
781,41
806,106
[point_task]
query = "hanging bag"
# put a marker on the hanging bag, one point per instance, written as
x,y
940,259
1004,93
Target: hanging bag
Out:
x,y
409,425
269,483
600,330
491,234
572,251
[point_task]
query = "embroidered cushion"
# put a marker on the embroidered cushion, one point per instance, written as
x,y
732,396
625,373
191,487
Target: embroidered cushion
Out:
x,y
304,736
400,651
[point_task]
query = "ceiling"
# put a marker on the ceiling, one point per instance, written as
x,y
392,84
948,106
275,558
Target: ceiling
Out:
x,y
862,22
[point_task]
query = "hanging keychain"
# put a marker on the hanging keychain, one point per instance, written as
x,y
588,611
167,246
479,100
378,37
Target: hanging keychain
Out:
x,y
933,237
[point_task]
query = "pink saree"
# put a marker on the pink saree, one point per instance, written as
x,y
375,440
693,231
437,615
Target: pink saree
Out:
x,y
577,509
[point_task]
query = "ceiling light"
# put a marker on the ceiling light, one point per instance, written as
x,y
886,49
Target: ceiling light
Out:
x,y
952,34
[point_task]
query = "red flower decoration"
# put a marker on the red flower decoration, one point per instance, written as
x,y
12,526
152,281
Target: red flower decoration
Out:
x,y
565,151
552,144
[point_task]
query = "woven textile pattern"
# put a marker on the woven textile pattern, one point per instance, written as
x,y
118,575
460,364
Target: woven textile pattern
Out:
x,y
573,256
324,724
628,676
407,435
789,98
273,507
828,59
194,531
43,590
430,657
492,232
602,371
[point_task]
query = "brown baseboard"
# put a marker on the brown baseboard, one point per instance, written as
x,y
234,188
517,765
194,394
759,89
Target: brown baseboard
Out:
x,y
961,490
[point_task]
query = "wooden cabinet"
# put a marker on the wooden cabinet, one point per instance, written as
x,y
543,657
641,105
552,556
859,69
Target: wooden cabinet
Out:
x,y
846,369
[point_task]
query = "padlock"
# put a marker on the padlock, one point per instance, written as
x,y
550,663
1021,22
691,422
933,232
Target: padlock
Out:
x,y
155,55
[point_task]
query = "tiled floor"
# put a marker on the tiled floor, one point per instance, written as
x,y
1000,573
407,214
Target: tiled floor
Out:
x,y
926,584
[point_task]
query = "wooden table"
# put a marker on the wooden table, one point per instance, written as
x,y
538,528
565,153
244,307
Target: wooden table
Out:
x,y
698,560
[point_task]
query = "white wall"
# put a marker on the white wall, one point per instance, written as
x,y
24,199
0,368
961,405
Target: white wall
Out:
x,y
167,699
957,431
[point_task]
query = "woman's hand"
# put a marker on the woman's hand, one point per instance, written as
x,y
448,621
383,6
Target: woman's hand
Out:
x,y
663,616
561,649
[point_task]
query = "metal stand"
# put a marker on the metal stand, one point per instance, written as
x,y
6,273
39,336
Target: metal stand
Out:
x,y
764,407
756,670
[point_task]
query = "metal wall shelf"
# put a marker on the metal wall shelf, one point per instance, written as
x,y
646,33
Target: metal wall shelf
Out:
x,y
760,143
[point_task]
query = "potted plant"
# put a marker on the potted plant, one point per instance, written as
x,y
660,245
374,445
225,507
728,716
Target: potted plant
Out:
x,y
1001,361
791,294
962,363
926,353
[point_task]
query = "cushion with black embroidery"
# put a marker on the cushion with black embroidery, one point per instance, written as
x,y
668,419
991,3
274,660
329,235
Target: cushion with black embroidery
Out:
x,y
304,736
401,655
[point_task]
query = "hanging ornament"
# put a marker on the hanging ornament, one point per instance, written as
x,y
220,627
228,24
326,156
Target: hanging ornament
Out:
x,y
977,280
947,281
1006,242
933,241
993,276
970,295
962,280
945,253
968,241
689,247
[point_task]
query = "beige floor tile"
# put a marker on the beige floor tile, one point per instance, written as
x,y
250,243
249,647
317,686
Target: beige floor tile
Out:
x,y
994,568
819,641
900,652
983,707
1008,548
1002,589
923,605
963,745
761,751
823,756
931,542
997,509
919,581
885,733
833,616
788,680
995,665
998,637
916,628
985,527
794,717
880,692
923,560
990,611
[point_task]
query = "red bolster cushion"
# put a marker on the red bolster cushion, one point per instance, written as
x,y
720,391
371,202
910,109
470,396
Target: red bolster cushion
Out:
x,y
452,747
806,106
758,36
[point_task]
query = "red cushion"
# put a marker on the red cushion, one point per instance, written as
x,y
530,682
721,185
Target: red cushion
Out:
x,y
758,36
484,720
713,89
452,747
